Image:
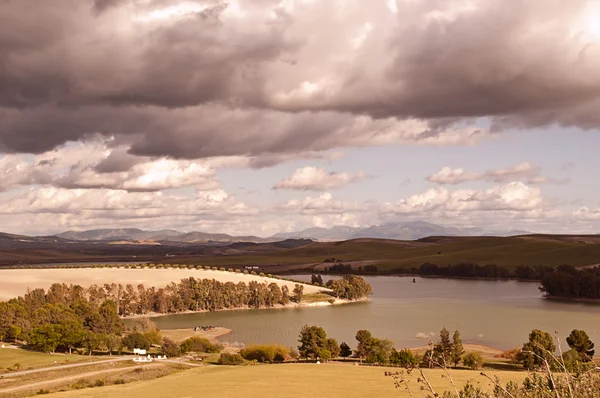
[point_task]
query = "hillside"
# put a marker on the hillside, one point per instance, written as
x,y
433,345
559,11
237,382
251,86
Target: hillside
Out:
x,y
509,252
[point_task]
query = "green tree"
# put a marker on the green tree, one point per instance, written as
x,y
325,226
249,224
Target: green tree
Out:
x,y
298,293
457,349
473,360
380,351
345,350
443,349
14,332
311,339
136,340
538,351
579,341
365,342
111,342
332,346
170,348
324,355
44,338
403,358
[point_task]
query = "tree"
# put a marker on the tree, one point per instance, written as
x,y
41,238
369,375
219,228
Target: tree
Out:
x,y
473,360
324,355
538,350
365,342
457,349
170,348
316,279
579,341
44,338
380,351
332,346
14,332
311,339
298,292
345,350
443,349
112,342
403,358
136,340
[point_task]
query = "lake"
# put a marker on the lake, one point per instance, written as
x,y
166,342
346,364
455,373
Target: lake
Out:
x,y
494,313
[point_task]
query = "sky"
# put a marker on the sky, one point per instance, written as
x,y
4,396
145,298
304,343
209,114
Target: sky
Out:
x,y
265,116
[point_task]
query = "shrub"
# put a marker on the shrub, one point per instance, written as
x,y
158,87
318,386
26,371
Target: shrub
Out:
x,y
265,353
207,267
120,381
404,358
170,348
136,340
214,268
253,273
473,360
222,269
231,359
199,344
230,270
99,383
43,392
261,274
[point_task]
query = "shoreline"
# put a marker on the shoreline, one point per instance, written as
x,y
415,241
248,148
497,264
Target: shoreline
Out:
x,y
275,307
573,299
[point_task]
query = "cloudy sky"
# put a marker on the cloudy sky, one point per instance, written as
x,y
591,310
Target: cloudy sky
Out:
x,y
261,116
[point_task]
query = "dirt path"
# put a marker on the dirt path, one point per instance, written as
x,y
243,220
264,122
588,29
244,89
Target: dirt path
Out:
x,y
63,379
60,367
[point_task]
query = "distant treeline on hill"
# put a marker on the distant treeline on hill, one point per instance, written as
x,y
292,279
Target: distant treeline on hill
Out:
x,y
460,270
569,282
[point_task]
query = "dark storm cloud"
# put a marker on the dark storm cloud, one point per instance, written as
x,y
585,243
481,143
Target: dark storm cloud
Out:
x,y
272,80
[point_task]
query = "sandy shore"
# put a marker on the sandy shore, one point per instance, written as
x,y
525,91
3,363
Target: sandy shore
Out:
x,y
15,282
179,335
277,306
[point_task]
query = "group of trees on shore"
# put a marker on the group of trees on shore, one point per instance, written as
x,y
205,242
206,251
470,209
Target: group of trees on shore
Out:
x,y
350,287
70,316
459,270
570,282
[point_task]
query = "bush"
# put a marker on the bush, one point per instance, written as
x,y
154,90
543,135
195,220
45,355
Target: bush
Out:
x,y
207,267
265,353
170,348
136,340
473,360
404,358
231,359
199,344
222,269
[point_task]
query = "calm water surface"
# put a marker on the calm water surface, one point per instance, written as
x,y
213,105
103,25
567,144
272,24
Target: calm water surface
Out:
x,y
495,313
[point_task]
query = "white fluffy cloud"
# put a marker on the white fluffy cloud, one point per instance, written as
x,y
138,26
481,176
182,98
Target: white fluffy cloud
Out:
x,y
317,179
513,196
524,171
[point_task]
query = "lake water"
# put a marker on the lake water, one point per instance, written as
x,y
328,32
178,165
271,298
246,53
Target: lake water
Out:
x,y
495,313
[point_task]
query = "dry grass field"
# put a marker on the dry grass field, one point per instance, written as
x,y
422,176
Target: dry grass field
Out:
x,y
289,380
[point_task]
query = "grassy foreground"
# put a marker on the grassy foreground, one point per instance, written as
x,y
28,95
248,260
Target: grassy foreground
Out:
x,y
31,359
289,380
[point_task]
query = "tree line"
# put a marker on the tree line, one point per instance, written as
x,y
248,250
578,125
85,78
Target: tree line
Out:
x,y
459,270
70,316
570,282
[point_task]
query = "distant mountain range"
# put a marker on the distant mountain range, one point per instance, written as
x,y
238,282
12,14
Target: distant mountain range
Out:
x,y
402,231
411,230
